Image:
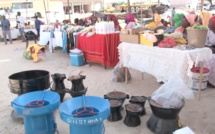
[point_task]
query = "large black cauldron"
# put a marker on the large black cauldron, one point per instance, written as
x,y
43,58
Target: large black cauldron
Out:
x,y
29,81
164,120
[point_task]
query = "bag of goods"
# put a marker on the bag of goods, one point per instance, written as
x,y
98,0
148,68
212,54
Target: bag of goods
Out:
x,y
27,55
167,43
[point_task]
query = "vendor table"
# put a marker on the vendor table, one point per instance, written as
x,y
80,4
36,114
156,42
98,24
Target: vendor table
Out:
x,y
44,38
100,48
15,33
163,63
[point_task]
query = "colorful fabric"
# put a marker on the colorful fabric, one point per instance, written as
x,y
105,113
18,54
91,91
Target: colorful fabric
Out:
x,y
179,30
191,19
213,20
205,16
104,48
130,17
177,18
119,74
115,21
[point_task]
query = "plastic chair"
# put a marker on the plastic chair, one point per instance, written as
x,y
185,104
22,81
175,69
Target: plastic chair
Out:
x,y
30,36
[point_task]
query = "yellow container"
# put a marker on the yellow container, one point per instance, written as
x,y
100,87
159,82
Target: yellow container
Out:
x,y
144,41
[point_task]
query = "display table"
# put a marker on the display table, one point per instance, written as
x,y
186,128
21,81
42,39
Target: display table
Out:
x,y
44,38
163,63
100,48
14,34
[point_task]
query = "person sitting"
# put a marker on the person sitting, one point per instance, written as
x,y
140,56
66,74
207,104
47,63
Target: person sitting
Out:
x,y
210,42
187,21
129,20
115,21
157,18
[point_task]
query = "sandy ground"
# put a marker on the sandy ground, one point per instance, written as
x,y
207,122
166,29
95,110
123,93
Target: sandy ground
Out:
x,y
197,114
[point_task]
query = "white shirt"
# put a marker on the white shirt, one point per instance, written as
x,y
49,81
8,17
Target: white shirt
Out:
x,y
21,21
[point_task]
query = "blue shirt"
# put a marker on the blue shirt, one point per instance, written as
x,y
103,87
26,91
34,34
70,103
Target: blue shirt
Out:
x,y
5,24
37,24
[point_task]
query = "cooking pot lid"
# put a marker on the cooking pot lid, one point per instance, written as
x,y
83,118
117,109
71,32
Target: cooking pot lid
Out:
x,y
138,99
116,94
133,108
154,103
115,103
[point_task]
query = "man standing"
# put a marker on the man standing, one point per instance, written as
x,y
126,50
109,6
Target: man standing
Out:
x,y
37,26
6,30
21,25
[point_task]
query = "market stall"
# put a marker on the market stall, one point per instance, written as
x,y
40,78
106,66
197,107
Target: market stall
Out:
x,y
100,48
163,63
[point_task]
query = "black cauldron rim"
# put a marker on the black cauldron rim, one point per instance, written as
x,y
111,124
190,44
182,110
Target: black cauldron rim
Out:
x,y
171,108
108,96
144,99
11,76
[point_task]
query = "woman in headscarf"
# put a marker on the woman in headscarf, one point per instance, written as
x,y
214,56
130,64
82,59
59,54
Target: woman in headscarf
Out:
x,y
177,20
187,21
129,20
205,16
210,42
115,21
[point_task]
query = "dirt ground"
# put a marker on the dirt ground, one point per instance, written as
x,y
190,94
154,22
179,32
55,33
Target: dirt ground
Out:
x,y
197,114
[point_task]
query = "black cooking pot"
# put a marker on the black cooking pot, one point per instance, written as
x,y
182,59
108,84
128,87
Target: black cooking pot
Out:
x,y
116,95
165,113
28,81
140,100
159,37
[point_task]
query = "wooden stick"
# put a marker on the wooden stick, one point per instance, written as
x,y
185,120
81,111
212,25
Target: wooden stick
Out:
x,y
126,75
200,80
142,75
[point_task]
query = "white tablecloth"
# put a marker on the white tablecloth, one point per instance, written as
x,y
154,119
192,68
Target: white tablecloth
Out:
x,y
14,34
163,63
44,38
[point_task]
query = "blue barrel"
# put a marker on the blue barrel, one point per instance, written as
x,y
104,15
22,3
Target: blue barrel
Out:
x,y
85,125
38,120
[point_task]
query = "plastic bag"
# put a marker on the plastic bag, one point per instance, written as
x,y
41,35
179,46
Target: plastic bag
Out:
x,y
119,74
185,130
90,34
170,94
